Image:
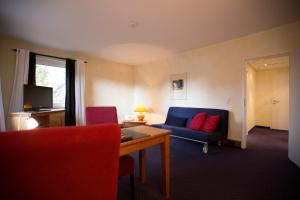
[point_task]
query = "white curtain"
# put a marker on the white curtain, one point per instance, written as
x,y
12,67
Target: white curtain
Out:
x,y
2,117
80,92
21,78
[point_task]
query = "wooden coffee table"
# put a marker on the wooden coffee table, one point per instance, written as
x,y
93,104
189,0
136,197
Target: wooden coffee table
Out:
x,y
156,136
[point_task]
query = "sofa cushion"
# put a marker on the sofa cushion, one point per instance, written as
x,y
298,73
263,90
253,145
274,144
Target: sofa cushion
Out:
x,y
176,121
198,121
211,123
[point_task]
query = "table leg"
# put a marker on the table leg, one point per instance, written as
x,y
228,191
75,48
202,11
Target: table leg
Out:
x,y
165,166
142,161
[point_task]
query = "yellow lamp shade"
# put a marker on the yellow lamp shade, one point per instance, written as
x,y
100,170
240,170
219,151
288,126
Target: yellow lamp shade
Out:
x,y
140,109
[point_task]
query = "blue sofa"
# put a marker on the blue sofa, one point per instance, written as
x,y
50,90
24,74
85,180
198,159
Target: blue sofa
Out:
x,y
181,119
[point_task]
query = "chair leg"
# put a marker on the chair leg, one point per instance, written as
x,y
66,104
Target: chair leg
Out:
x,y
132,186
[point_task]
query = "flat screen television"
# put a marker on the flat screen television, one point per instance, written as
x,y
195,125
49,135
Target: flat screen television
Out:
x,y
37,97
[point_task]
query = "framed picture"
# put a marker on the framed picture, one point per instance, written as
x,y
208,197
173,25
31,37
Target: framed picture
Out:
x,y
178,84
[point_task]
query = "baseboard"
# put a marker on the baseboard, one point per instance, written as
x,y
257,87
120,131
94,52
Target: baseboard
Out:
x,y
256,126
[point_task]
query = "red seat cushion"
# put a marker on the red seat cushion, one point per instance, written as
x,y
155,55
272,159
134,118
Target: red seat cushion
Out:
x,y
198,121
211,123
126,165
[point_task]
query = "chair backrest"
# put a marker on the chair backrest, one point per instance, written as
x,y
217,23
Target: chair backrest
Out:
x,y
101,115
60,163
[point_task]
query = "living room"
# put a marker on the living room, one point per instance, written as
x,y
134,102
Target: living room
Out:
x,y
126,66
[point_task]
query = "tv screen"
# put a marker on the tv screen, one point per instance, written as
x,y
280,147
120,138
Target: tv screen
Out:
x,y
37,97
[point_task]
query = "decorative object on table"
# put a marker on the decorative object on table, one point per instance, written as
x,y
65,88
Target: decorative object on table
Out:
x,y
31,123
178,85
128,133
141,112
125,138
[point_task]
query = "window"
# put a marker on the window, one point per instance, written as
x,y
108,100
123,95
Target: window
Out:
x,y
51,72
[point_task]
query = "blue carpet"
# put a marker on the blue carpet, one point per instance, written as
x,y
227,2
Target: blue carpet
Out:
x,y
263,171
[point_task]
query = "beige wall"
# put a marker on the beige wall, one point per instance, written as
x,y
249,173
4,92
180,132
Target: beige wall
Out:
x,y
214,74
110,84
107,83
250,95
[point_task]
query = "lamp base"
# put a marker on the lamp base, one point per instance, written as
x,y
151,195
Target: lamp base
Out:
x,y
141,117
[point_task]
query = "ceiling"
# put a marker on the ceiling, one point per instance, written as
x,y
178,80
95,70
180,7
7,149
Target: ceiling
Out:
x,y
269,63
138,31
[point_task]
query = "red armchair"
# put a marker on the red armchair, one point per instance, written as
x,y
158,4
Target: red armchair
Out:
x,y
60,163
98,115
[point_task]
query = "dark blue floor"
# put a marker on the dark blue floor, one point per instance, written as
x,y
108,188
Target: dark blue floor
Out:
x,y
263,171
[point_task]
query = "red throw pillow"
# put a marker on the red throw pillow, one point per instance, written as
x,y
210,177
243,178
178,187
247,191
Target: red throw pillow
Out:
x,y
211,123
198,121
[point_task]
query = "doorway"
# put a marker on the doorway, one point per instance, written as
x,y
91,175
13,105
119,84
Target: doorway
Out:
x,y
267,93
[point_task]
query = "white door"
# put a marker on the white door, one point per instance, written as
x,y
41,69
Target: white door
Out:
x,y
280,99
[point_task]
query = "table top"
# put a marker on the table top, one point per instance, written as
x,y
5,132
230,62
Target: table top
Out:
x,y
148,130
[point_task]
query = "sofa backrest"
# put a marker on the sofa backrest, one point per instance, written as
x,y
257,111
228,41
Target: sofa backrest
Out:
x,y
189,113
60,163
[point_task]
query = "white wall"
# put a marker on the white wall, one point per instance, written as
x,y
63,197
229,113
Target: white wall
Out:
x,y
250,96
214,74
294,128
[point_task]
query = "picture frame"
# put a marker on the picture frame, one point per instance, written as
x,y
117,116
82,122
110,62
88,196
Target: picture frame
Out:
x,y
178,86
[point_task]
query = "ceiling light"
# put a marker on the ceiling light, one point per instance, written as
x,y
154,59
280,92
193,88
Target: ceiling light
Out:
x,y
133,24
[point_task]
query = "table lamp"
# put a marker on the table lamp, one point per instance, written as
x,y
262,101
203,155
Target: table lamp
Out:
x,y
31,123
141,112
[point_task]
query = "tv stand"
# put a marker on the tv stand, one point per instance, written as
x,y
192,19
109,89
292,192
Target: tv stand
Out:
x,y
45,118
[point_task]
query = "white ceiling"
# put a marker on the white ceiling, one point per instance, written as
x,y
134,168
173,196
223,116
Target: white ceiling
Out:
x,y
139,31
269,63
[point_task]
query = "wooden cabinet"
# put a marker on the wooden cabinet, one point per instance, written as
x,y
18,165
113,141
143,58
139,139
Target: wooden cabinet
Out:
x,y
49,118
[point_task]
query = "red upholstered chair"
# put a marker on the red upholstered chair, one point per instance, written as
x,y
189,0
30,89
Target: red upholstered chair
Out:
x,y
60,163
100,115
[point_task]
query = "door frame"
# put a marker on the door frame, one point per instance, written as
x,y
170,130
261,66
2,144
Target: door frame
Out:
x,y
244,90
